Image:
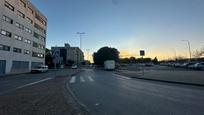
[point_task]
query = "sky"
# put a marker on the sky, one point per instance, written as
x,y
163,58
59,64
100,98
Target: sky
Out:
x,y
156,26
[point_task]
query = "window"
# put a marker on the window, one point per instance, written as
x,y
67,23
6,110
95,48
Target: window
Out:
x,y
41,46
35,44
4,47
26,52
6,33
40,28
28,30
18,37
17,50
36,35
20,26
9,6
27,41
30,10
31,21
22,3
7,19
39,18
42,38
39,55
19,13
20,65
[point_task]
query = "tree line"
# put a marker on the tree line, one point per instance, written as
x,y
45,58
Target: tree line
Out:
x,y
108,53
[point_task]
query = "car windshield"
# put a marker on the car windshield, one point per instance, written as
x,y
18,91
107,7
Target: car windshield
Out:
x,y
101,57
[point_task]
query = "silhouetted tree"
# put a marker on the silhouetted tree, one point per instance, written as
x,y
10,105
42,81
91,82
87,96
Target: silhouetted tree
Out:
x,y
105,53
48,58
124,60
132,60
155,60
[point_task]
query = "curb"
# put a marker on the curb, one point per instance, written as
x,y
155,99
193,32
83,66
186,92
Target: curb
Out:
x,y
166,81
68,89
175,82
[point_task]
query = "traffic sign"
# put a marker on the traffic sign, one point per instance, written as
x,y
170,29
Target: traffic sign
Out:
x,y
56,57
142,53
56,54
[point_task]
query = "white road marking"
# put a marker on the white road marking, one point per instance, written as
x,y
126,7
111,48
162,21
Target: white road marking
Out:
x,y
82,79
33,83
73,79
90,78
121,76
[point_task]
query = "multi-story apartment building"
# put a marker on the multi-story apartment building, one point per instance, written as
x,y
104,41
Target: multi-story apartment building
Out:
x,y
68,53
22,36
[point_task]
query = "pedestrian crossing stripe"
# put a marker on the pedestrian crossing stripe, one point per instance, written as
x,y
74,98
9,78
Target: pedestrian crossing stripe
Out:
x,y
73,79
90,78
81,79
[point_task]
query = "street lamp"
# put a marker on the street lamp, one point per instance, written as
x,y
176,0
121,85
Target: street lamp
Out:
x,y
189,47
80,36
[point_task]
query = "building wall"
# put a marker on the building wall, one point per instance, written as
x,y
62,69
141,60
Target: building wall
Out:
x,y
72,53
27,34
75,54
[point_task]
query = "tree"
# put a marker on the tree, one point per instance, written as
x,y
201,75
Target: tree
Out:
x,y
48,58
105,53
124,60
132,60
198,53
155,60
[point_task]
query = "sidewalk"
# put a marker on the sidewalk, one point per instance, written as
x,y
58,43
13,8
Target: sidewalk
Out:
x,y
182,77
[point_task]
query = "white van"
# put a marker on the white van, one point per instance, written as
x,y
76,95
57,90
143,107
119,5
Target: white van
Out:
x,y
109,65
40,68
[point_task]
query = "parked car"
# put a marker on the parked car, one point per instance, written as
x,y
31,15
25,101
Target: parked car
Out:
x,y
199,66
190,65
177,64
74,66
184,65
40,68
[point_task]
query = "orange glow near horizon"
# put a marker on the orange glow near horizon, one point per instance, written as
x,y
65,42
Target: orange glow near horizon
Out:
x,y
151,54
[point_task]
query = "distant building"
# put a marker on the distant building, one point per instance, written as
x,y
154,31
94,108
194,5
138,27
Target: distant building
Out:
x,y
69,53
22,36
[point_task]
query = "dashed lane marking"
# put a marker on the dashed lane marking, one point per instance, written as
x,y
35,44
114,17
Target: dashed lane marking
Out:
x,y
121,76
33,83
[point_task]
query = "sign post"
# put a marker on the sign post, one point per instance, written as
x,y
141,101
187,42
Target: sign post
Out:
x,y
56,57
142,53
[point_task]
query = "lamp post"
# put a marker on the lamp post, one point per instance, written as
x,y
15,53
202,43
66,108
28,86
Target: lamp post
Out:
x,y
189,47
80,36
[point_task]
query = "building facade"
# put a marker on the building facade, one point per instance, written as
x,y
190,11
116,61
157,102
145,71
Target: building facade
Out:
x,y
22,36
68,53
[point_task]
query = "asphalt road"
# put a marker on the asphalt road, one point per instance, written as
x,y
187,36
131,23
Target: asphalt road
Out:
x,y
14,82
106,93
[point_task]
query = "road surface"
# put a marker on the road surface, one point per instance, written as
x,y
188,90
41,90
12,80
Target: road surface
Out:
x,y
12,83
106,93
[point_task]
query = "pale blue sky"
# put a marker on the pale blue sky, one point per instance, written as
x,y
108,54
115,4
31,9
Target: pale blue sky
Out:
x,y
158,26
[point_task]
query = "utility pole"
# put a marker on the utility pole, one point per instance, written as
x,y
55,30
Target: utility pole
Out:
x,y
189,48
80,37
